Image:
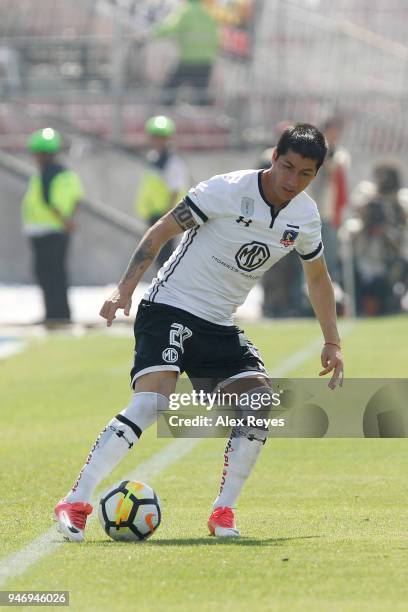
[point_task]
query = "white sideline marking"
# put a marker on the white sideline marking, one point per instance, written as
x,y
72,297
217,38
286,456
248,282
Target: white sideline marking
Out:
x,y
10,347
296,359
17,563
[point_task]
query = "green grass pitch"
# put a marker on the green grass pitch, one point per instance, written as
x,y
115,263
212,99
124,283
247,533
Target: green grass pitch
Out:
x,y
324,522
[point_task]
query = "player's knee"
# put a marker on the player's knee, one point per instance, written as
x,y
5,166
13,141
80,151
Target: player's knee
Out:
x,y
257,402
162,382
255,408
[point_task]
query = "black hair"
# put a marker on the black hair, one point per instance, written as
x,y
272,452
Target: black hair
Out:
x,y
304,139
388,177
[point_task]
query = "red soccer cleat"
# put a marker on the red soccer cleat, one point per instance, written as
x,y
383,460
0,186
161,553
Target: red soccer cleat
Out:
x,y
71,518
222,523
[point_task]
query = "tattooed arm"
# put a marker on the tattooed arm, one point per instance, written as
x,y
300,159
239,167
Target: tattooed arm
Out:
x,y
174,222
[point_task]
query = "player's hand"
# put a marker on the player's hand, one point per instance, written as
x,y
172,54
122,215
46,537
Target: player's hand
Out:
x,y
332,361
117,301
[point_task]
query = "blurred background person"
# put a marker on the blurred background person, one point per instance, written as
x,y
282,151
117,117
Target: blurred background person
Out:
x,y
329,190
381,245
196,33
166,180
48,208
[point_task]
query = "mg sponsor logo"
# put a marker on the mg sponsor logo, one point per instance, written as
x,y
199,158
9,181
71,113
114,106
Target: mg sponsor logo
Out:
x,y
170,355
252,255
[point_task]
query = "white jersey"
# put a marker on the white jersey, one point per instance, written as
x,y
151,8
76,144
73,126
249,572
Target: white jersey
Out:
x,y
237,238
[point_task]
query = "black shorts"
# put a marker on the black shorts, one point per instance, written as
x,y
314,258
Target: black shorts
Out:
x,y
169,338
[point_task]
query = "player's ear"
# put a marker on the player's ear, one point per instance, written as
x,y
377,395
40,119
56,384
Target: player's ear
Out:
x,y
274,154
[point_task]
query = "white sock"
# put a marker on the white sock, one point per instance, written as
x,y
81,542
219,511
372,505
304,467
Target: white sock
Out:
x,y
240,456
114,442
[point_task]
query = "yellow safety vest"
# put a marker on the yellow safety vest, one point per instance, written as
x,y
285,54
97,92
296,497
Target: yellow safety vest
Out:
x,y
65,192
153,197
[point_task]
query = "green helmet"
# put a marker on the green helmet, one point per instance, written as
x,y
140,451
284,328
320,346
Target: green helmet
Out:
x,y
46,140
160,126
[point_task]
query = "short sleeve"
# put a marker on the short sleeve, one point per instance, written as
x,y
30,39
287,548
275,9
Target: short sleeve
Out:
x,y
309,246
209,199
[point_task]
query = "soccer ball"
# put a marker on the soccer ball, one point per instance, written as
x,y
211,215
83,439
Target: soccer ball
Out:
x,y
130,511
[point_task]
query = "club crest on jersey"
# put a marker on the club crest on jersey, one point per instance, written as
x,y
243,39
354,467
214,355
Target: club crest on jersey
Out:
x,y
289,237
247,206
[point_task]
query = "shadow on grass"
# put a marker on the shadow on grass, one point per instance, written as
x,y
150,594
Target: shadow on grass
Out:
x,y
207,541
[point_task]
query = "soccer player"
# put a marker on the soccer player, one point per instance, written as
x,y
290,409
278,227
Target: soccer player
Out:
x,y
235,226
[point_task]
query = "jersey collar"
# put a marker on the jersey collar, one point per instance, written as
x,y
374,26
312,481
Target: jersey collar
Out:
x,y
270,206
